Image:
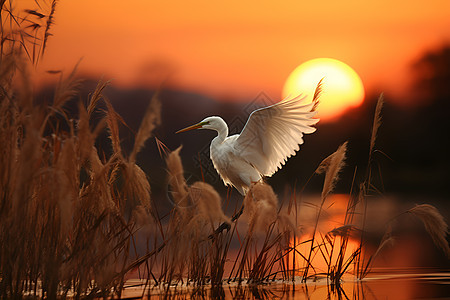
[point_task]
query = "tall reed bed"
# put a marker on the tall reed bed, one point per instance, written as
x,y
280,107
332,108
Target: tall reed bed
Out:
x,y
70,213
67,213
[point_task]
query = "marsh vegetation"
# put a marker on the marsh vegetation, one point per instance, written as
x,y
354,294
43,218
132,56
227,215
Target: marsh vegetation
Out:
x,y
75,216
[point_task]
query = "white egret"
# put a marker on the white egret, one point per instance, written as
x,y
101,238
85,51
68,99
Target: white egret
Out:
x,y
271,135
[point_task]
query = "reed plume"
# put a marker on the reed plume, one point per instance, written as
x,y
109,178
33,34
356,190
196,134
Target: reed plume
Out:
x,y
197,210
176,179
136,188
86,137
207,202
66,89
151,120
112,121
332,166
317,93
435,225
200,201
376,122
260,206
49,23
96,97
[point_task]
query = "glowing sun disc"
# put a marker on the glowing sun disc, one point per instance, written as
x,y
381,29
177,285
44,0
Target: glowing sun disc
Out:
x,y
342,87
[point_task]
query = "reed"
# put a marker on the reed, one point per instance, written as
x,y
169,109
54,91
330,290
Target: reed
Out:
x,y
71,215
434,223
68,217
331,166
60,230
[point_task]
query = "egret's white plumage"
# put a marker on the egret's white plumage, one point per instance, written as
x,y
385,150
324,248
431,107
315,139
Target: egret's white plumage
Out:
x,y
271,135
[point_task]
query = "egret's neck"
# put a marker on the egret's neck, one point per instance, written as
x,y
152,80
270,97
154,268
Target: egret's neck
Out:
x,y
222,130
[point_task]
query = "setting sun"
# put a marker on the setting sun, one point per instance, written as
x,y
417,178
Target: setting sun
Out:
x,y
342,87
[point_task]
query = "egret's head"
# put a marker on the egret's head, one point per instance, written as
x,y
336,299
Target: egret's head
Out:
x,y
213,123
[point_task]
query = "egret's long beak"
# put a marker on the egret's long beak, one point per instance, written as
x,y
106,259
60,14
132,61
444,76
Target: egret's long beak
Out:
x,y
196,126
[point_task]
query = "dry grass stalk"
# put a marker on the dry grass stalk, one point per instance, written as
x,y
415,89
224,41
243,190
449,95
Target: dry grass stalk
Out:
x,y
188,249
25,93
48,25
7,67
68,190
152,118
137,187
386,243
366,185
26,30
26,168
256,259
317,93
435,225
332,166
96,97
112,121
376,122
176,179
208,256
182,247
207,202
98,186
57,225
260,206
66,89
346,231
86,138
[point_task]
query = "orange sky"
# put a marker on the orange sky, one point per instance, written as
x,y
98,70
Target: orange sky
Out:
x,y
236,49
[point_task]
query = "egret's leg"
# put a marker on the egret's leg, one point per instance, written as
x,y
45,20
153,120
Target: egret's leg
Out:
x,y
241,210
226,225
238,214
222,227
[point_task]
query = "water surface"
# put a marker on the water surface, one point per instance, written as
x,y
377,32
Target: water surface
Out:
x,y
393,285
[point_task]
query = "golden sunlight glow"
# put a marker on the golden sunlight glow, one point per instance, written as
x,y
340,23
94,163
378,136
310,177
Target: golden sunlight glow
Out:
x,y
342,87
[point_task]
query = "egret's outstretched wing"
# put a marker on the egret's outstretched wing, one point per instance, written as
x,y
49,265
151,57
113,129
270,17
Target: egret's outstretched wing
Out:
x,y
273,134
